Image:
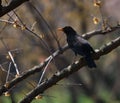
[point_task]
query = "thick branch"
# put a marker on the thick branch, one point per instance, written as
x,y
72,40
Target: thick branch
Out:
x,y
13,4
69,70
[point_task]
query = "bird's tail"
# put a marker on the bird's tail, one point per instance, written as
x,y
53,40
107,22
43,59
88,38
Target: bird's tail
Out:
x,y
90,62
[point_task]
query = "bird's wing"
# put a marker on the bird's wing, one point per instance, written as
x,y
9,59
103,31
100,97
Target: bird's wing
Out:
x,y
82,45
81,39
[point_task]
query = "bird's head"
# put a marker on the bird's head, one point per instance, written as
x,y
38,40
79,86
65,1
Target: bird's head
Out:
x,y
68,30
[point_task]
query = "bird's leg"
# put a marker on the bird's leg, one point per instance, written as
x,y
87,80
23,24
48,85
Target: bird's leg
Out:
x,y
61,50
74,59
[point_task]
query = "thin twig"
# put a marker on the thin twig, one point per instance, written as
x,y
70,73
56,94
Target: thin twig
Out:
x,y
69,84
44,71
49,27
8,73
11,57
13,61
4,69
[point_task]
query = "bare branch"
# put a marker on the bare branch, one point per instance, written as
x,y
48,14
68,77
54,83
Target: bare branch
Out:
x,y
100,32
13,4
69,70
39,67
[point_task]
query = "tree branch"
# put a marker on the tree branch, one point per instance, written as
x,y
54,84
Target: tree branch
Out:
x,y
98,32
13,4
69,70
39,67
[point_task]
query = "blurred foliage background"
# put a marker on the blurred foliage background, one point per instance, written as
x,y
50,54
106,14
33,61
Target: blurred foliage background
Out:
x,y
100,85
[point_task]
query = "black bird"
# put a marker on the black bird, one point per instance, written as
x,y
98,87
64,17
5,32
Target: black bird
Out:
x,y
79,45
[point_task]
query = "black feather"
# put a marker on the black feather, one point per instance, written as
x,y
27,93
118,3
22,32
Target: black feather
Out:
x,y
79,45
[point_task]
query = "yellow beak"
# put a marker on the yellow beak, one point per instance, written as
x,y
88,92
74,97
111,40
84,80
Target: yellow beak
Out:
x,y
60,29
